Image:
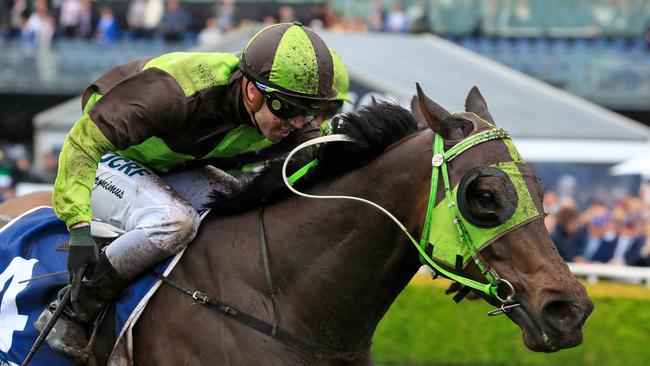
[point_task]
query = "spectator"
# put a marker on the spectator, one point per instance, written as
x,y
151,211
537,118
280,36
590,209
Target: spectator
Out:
x,y
39,28
226,14
269,20
211,34
597,242
338,25
356,24
396,21
550,204
377,17
644,259
416,15
153,16
323,13
563,236
174,22
629,243
70,18
136,15
17,15
286,14
107,30
22,171
85,29
46,173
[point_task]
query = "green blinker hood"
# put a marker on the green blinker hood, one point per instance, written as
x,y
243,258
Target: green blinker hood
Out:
x,y
452,233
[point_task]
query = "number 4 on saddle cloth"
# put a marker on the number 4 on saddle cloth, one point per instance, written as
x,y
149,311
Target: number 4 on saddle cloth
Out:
x,y
33,245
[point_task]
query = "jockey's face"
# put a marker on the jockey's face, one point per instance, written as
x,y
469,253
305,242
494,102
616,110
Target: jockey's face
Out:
x,y
271,126
275,128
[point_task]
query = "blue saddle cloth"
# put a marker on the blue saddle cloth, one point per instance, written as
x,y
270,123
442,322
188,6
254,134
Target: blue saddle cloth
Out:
x,y
31,246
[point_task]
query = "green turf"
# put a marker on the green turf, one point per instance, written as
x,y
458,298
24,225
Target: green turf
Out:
x,y
425,327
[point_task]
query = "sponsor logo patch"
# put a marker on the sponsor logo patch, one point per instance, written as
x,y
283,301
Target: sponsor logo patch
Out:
x,y
124,165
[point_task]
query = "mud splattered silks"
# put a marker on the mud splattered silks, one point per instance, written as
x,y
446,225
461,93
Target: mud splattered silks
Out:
x,y
162,112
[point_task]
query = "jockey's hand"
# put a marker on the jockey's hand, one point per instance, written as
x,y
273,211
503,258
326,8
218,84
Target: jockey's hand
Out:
x,y
82,257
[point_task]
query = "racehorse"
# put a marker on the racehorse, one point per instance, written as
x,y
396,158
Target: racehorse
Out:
x,y
325,271
16,206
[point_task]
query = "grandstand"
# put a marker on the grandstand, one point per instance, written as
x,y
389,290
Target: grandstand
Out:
x,y
595,49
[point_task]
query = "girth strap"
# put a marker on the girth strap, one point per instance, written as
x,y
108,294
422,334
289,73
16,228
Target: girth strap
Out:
x,y
245,319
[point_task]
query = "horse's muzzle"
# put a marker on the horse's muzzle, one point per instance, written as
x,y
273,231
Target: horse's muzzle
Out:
x,y
557,326
563,321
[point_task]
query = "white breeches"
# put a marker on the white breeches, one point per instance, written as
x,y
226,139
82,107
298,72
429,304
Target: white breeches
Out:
x,y
158,213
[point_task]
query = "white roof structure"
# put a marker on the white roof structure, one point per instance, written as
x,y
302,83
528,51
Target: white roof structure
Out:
x,y
547,123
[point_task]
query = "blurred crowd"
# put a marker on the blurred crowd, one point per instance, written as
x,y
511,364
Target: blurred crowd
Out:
x,y
41,21
615,232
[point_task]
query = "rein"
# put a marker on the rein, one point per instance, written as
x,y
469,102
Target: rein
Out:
x,y
439,169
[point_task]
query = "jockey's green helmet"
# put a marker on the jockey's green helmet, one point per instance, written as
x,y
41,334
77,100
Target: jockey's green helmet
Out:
x,y
341,78
291,60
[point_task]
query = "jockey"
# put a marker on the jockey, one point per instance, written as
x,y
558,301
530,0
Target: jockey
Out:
x,y
145,120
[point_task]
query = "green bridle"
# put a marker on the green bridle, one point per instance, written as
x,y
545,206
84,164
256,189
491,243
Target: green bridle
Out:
x,y
464,237
439,168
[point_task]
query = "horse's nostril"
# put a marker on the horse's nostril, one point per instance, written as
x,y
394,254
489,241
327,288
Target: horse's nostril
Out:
x,y
563,316
559,309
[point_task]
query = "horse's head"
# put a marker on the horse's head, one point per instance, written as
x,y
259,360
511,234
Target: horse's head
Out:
x,y
487,224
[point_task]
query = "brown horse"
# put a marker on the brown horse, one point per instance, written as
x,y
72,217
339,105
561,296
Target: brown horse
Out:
x,y
16,206
337,266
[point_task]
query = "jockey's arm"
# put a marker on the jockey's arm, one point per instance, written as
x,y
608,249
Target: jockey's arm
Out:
x,y
113,124
78,161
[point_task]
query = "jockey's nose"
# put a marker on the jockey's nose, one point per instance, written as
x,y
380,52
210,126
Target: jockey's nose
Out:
x,y
297,122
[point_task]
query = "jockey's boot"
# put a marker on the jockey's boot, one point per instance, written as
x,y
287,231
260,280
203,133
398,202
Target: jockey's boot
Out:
x,y
70,334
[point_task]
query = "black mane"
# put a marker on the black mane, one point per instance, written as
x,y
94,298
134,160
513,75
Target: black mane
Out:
x,y
373,128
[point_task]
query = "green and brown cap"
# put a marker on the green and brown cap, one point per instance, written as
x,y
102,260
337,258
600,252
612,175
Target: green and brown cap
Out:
x,y
290,59
341,78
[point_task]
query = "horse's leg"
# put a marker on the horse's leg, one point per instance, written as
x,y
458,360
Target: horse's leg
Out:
x,y
19,205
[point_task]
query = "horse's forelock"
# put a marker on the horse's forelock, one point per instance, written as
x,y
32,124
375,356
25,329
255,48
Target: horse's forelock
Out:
x,y
373,128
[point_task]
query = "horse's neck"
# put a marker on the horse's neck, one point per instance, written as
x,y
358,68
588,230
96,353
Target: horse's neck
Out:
x,y
356,260
336,265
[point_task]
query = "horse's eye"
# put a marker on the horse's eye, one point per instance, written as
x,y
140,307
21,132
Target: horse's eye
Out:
x,y
485,197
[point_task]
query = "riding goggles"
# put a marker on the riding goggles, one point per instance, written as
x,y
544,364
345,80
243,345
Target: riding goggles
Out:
x,y
286,107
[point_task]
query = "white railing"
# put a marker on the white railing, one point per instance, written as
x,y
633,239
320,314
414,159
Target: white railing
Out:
x,y
593,272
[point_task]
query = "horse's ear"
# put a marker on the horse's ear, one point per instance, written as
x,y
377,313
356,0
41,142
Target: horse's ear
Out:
x,y
417,112
433,114
475,103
